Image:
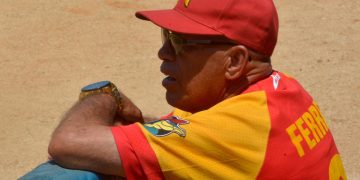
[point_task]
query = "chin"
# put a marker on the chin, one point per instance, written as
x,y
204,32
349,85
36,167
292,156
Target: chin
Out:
x,y
181,103
171,99
176,101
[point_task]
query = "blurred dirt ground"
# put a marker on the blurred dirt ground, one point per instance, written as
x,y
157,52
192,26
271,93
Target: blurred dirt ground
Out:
x,y
49,49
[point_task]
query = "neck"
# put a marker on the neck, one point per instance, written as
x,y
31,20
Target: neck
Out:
x,y
255,71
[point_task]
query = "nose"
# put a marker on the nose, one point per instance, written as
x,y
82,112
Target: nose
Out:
x,y
166,52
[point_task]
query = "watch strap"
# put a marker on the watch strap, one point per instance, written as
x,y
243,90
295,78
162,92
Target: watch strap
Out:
x,y
103,87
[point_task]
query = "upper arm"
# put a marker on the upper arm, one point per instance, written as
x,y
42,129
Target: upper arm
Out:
x,y
88,148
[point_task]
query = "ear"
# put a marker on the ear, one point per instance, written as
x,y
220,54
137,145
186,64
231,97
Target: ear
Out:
x,y
236,62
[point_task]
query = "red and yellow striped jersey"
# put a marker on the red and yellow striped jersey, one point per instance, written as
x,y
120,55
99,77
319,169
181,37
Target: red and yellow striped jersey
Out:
x,y
273,130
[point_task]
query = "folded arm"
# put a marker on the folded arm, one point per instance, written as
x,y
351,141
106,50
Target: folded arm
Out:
x,y
83,140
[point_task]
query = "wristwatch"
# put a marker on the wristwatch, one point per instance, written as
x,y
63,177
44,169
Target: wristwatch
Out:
x,y
102,87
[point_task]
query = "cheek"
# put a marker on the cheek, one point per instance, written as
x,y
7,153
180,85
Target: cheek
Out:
x,y
200,85
204,89
206,86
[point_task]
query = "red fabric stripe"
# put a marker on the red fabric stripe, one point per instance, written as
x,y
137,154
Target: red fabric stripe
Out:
x,y
144,152
167,116
127,155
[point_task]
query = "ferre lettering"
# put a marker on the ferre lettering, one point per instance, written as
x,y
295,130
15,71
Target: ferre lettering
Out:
x,y
310,122
305,132
295,139
311,127
186,3
315,112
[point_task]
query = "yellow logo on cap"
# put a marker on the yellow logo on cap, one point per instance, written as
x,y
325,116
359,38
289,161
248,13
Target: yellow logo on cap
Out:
x,y
186,3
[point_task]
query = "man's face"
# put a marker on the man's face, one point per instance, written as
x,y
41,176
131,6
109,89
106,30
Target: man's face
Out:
x,y
195,73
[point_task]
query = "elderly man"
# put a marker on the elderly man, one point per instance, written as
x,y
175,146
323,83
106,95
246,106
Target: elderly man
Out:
x,y
235,117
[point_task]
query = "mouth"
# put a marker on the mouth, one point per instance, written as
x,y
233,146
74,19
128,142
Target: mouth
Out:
x,y
169,78
169,82
167,74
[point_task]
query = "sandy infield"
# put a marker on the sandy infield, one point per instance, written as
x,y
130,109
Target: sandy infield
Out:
x,y
50,49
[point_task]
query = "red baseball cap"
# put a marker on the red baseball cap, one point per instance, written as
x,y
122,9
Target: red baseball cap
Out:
x,y
253,23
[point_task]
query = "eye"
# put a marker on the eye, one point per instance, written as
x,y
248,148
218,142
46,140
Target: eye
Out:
x,y
176,39
190,48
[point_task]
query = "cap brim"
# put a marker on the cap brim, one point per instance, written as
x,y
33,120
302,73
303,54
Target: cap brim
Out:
x,y
172,20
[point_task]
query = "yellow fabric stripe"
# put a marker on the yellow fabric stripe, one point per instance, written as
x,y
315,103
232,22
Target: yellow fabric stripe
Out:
x,y
227,141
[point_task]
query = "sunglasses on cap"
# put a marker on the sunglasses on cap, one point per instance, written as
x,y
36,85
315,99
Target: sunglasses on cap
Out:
x,y
179,42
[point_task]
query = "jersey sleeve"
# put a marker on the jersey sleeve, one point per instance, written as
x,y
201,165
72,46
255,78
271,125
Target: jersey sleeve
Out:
x,y
227,141
137,157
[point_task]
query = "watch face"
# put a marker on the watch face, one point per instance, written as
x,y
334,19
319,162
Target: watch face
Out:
x,y
95,86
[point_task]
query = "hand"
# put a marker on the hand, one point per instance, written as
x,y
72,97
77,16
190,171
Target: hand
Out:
x,y
129,113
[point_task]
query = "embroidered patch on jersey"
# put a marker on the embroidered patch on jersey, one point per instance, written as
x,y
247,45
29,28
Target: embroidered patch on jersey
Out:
x,y
276,79
165,127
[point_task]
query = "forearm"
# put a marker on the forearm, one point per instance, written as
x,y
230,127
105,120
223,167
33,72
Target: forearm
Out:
x,y
83,139
98,110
